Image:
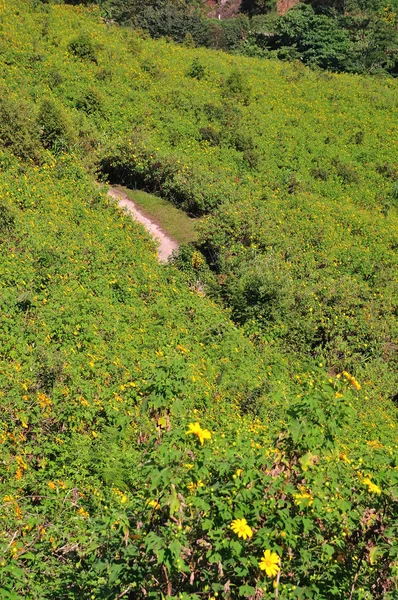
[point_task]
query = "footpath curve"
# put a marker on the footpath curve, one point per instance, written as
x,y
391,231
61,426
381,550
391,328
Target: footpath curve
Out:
x,y
166,244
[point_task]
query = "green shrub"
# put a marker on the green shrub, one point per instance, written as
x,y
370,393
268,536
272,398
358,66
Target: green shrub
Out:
x,y
133,165
18,130
314,39
235,31
91,103
173,21
210,135
56,130
236,86
196,70
104,74
189,42
82,47
55,78
344,171
7,219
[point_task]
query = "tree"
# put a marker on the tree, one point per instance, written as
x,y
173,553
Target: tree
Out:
x,y
257,7
374,45
314,39
351,6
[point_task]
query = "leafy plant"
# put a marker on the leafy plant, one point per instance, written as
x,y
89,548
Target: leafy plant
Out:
x,y
82,47
56,131
18,131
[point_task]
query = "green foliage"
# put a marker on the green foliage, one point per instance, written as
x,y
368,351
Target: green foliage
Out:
x,y
315,39
258,7
55,78
82,47
350,6
7,219
56,131
373,43
91,103
18,130
196,70
132,164
234,31
210,135
342,35
173,21
108,359
363,42
237,87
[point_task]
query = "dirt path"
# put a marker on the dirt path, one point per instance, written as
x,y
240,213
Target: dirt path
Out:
x,y
166,244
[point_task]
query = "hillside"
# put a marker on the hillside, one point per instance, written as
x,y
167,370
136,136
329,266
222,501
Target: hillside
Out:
x,y
353,36
151,446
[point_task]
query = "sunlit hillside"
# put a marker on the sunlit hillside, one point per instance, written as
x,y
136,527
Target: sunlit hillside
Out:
x,y
163,442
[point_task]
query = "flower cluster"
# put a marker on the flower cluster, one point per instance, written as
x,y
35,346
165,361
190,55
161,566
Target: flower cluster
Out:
x,y
372,487
270,561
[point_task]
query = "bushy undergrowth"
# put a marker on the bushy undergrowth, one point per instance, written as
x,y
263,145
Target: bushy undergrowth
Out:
x,y
149,449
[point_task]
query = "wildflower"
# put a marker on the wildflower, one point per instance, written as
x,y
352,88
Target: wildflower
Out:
x,y
372,487
44,400
21,462
154,504
241,528
201,434
352,380
270,563
303,496
83,513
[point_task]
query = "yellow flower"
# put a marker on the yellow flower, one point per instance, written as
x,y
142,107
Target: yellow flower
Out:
x,y
352,380
270,563
372,487
241,528
154,504
303,496
201,434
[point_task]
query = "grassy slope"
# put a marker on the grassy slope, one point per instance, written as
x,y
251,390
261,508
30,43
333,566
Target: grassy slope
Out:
x,y
92,330
99,342
174,221
318,199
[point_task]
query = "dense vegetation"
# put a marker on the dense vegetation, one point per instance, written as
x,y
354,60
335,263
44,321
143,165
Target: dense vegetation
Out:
x,y
357,36
150,447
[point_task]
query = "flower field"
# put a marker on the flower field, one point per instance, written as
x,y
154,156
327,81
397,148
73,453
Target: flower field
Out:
x,y
156,443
